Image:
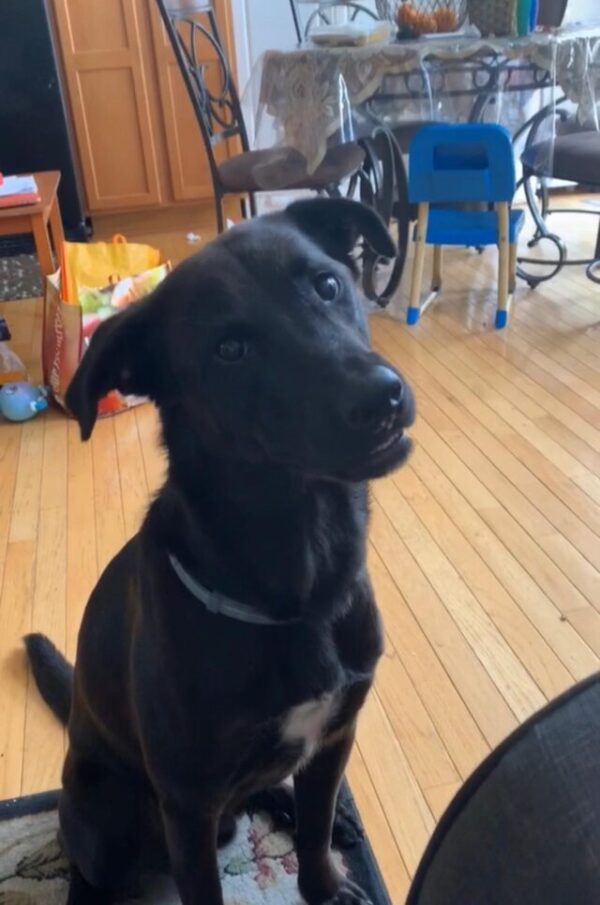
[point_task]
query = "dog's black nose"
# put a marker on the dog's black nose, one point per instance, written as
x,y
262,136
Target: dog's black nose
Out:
x,y
380,396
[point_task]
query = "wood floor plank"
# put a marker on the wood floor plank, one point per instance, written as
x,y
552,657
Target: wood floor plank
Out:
x,y
132,473
493,716
519,632
549,619
110,523
430,673
440,797
154,458
482,455
10,442
26,500
42,772
82,559
54,461
508,673
523,392
404,805
15,619
412,725
380,835
501,419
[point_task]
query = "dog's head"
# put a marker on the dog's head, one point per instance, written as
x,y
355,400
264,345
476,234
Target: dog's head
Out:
x,y
257,348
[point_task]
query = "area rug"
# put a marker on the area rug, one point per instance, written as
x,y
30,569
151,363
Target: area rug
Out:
x,y
258,868
20,278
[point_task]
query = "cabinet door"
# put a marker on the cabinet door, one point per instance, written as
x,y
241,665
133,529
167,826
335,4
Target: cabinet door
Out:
x,y
188,164
103,61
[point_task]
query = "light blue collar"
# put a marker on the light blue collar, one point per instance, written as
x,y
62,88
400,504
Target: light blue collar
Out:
x,y
219,604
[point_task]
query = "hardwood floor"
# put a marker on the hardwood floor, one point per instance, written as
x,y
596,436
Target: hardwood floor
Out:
x,y
484,551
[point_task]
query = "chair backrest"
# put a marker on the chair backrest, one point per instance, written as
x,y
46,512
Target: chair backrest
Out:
x,y
194,35
325,12
469,162
551,12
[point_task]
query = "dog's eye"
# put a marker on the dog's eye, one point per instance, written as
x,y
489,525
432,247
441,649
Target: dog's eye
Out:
x,y
232,350
328,286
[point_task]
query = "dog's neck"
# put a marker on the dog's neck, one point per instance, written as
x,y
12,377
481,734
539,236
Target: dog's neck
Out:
x,y
264,535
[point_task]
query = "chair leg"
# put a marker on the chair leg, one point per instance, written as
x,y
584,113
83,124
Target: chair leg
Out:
x,y
503,265
438,260
219,213
414,308
512,268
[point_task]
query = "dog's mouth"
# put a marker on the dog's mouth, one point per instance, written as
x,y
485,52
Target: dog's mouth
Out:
x,y
392,451
388,453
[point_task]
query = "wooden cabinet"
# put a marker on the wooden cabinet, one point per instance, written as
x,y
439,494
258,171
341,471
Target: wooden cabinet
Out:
x,y
138,138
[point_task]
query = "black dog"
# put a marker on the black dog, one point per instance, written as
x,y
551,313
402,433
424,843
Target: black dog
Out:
x,y
232,642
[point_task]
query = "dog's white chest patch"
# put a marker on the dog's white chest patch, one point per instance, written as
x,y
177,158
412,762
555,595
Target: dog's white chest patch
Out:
x,y
306,723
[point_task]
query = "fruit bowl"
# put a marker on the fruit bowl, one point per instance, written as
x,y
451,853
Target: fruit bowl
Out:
x,y
415,19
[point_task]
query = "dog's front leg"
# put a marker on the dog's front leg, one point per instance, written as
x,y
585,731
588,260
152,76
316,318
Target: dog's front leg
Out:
x,y
191,833
316,789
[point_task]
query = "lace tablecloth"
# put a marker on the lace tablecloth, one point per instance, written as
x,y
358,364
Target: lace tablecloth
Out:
x,y
310,94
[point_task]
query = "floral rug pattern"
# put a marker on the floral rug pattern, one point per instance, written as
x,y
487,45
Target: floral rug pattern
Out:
x,y
259,867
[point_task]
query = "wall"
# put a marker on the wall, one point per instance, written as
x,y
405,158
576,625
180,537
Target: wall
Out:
x,y
259,25
580,10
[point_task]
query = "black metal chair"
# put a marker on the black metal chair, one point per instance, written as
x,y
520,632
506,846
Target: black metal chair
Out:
x,y
194,35
322,15
551,13
572,155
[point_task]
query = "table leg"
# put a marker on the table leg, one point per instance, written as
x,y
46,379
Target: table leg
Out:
x,y
56,229
42,245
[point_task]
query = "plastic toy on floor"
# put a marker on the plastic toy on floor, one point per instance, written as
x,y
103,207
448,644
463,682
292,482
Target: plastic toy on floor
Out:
x,y
21,401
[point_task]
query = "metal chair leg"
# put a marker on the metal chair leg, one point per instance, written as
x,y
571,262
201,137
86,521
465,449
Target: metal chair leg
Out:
x,y
503,265
219,213
414,308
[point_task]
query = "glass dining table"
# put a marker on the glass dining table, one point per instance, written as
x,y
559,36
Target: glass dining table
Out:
x,y
313,96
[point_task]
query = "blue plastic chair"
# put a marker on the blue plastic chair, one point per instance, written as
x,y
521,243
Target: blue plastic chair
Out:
x,y
458,164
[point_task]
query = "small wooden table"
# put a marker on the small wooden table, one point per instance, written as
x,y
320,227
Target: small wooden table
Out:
x,y
34,218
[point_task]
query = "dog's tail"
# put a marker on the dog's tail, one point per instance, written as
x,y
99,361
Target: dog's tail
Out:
x,y
52,673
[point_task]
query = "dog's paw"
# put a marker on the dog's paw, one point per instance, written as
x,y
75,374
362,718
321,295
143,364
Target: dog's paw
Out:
x,y
278,802
348,894
347,829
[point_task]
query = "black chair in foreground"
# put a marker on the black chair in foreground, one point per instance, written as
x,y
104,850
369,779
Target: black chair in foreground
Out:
x,y
525,828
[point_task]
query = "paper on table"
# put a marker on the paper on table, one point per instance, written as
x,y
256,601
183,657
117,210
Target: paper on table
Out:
x,y
18,185
351,35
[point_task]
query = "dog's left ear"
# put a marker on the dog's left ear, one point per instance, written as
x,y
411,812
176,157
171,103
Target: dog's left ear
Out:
x,y
336,224
119,358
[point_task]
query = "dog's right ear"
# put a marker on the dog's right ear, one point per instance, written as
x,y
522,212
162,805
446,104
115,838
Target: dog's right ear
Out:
x,y
120,358
336,224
